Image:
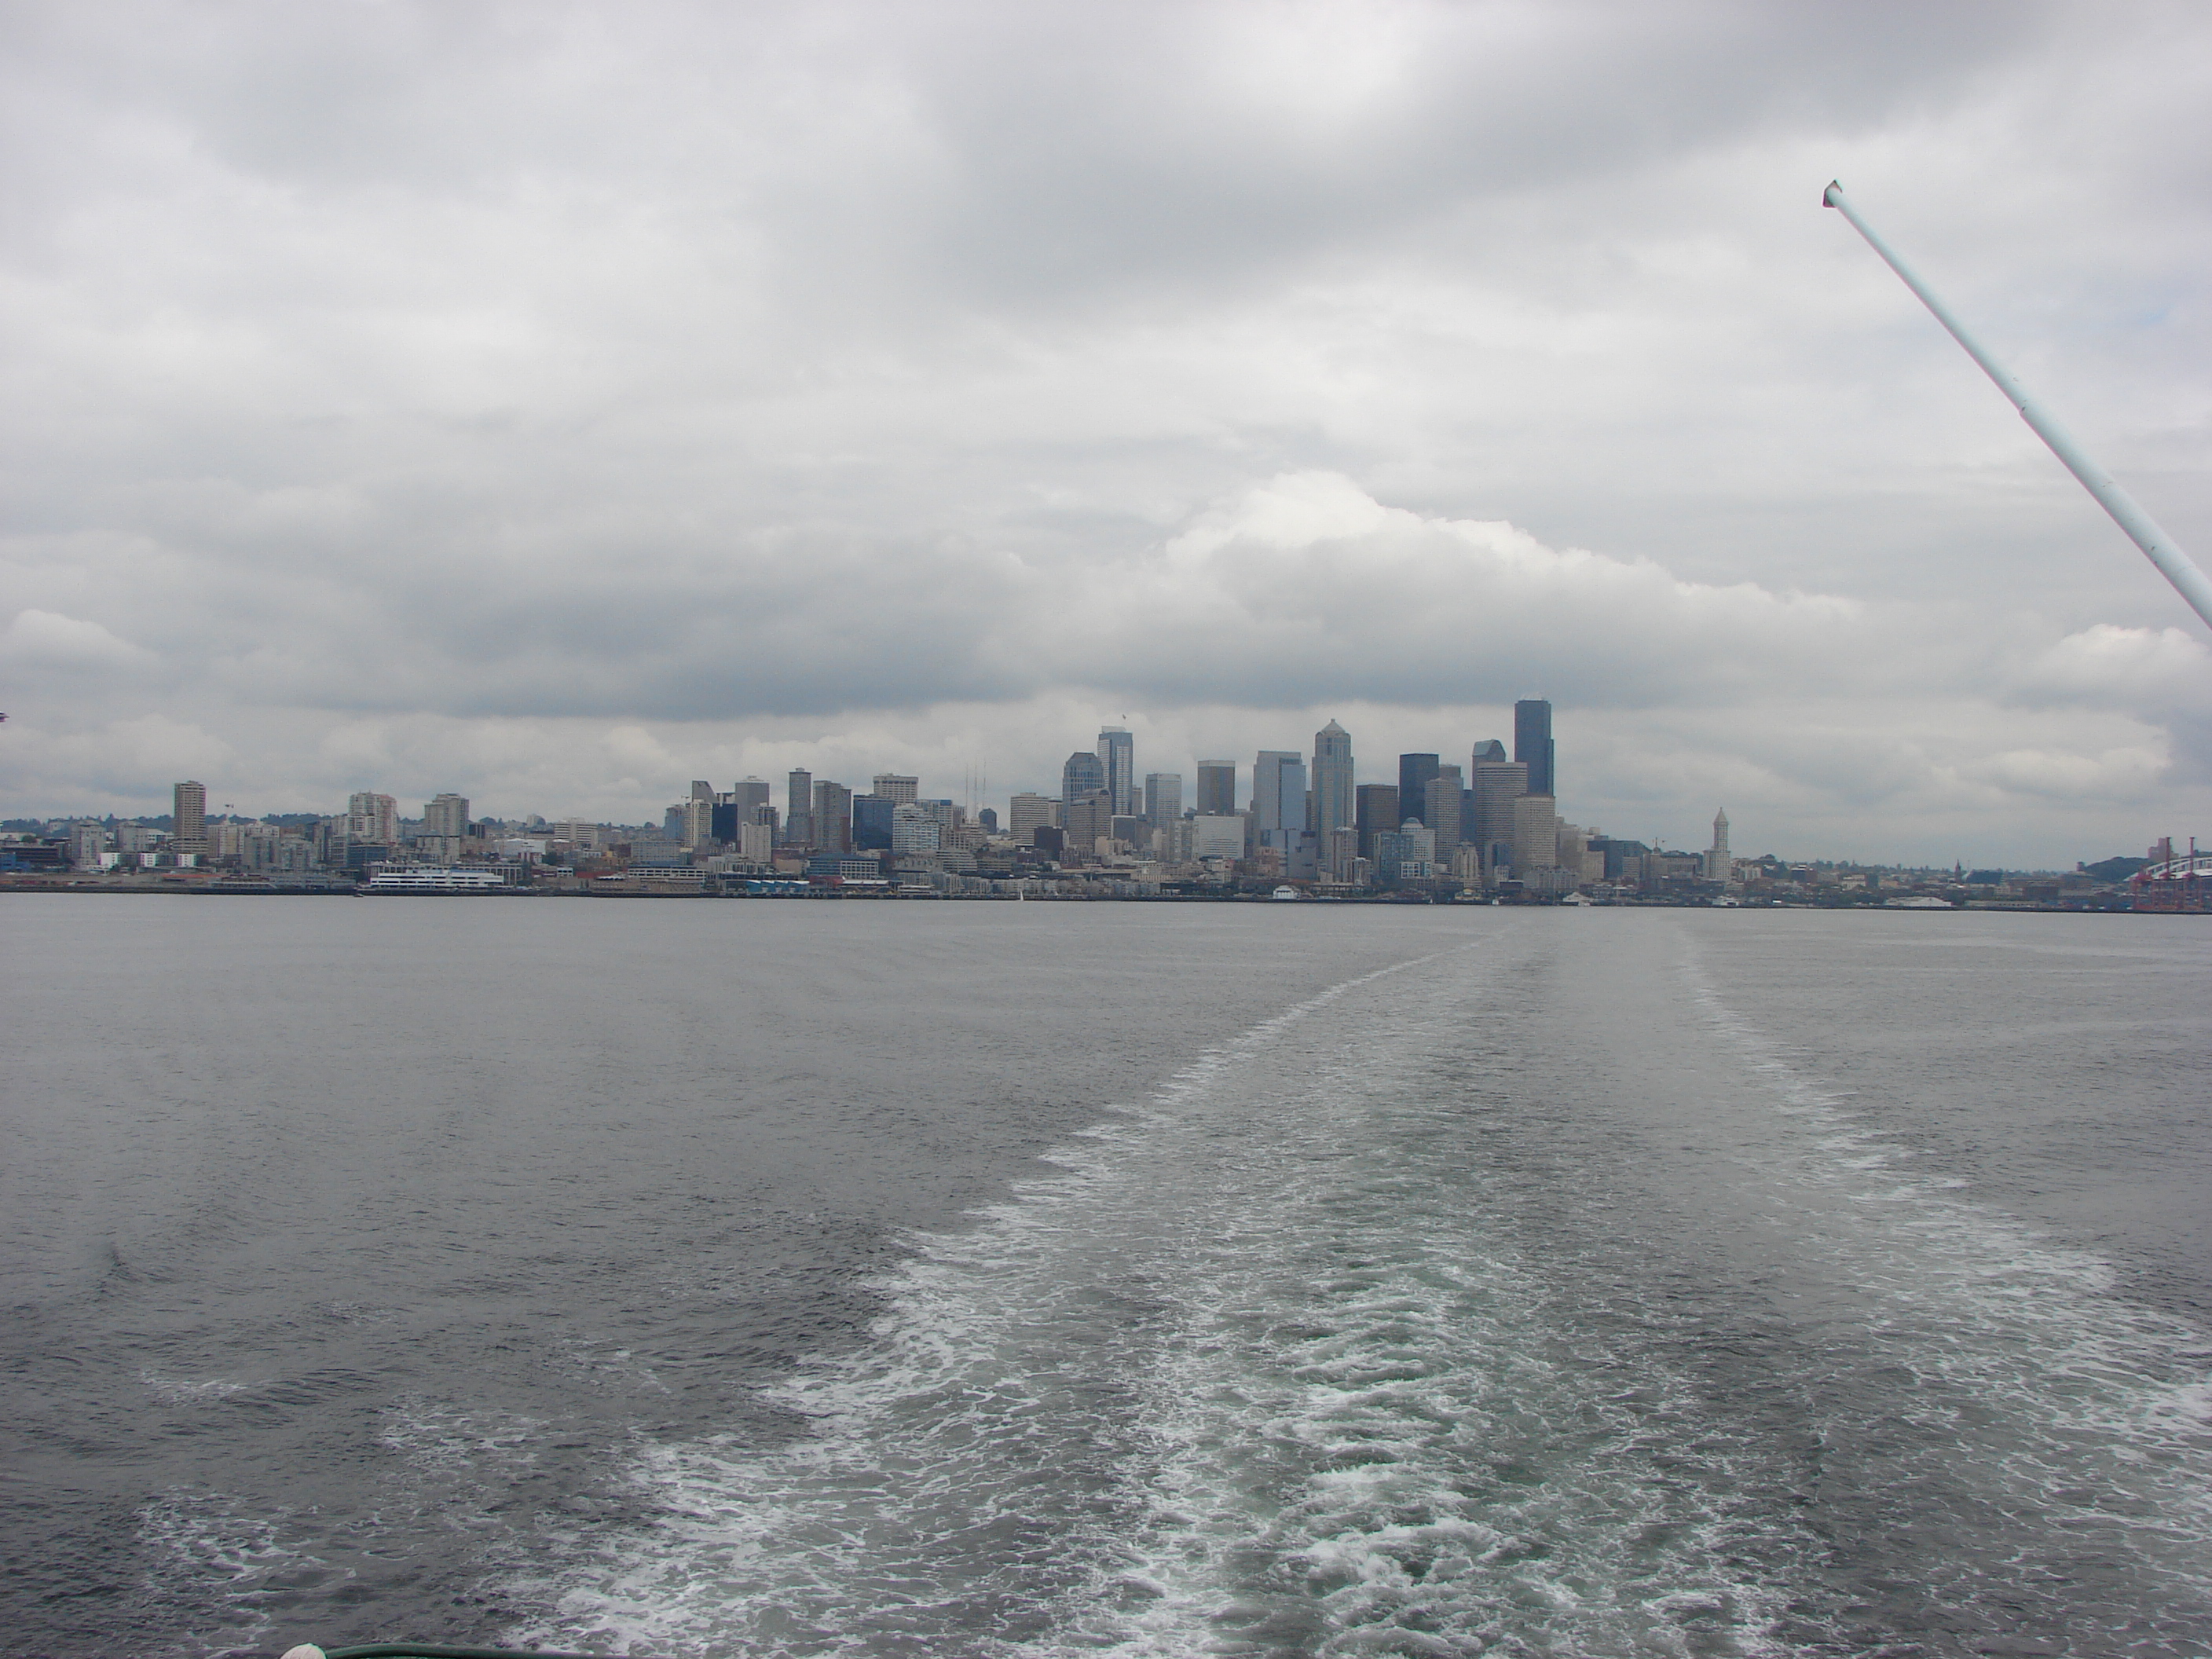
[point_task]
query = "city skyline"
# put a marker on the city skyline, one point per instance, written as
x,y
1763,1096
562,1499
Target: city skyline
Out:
x,y
1488,783
554,412
1287,811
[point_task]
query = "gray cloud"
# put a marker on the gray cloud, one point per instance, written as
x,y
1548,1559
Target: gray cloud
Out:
x,y
525,398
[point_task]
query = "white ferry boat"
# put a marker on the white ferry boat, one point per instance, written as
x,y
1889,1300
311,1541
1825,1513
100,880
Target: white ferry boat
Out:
x,y
435,881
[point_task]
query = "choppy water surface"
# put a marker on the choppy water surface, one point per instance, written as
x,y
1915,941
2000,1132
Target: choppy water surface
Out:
x,y
982,1280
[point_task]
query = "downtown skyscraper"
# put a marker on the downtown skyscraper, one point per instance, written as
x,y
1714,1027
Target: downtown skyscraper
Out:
x,y
1278,799
1117,752
1334,807
1532,743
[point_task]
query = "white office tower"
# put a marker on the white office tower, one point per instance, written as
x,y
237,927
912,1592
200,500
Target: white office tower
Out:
x,y
446,816
893,788
1535,835
699,814
756,842
1717,865
1163,798
915,830
373,818
1117,752
1498,785
1333,798
1027,813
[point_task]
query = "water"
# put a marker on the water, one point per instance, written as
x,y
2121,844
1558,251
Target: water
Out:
x,y
881,1279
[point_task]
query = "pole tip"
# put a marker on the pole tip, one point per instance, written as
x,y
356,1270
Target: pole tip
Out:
x,y
1828,196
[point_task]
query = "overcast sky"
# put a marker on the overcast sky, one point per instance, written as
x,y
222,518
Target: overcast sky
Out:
x,y
557,404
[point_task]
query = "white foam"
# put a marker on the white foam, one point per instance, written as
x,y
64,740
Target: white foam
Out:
x,y
1252,1370
1236,1362
193,1391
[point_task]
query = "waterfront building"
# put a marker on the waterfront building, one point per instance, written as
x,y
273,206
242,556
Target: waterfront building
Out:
x,y
1574,854
188,821
1218,836
1535,834
1414,775
1278,799
1117,753
1406,854
1334,804
1027,812
88,844
894,788
1375,812
1717,867
1163,798
1340,853
1217,788
1532,743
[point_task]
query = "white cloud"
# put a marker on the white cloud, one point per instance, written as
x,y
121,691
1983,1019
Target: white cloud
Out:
x,y
2130,666
47,640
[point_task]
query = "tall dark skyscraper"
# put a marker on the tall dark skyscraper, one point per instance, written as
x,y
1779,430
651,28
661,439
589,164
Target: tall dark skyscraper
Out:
x,y
1415,774
871,822
1217,788
1375,812
1532,743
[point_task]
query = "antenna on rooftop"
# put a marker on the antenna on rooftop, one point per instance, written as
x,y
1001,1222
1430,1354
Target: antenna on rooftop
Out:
x,y
2176,566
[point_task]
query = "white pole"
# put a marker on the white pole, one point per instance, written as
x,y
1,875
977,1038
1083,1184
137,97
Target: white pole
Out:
x,y
2176,566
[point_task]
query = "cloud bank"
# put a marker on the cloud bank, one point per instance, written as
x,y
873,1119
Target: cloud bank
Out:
x,y
558,405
